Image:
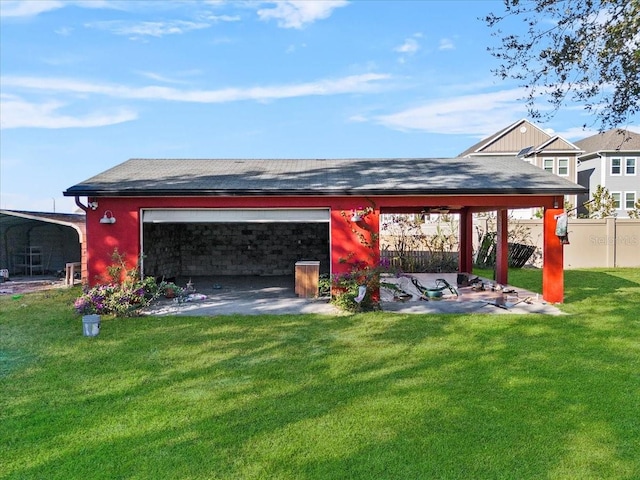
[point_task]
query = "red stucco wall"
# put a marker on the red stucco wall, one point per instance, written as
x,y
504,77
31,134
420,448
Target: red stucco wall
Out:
x,y
346,236
125,233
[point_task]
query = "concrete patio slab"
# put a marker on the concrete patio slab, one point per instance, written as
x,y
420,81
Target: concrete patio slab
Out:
x,y
227,295
468,299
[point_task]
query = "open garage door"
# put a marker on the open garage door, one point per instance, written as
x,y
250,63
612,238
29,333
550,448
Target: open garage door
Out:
x,y
257,215
182,243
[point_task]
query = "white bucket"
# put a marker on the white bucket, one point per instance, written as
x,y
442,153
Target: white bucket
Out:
x,y
91,325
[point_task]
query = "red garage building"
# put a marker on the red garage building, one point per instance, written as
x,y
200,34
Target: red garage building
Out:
x,y
188,217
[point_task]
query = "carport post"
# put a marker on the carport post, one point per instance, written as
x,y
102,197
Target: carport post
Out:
x,y
553,259
502,248
465,242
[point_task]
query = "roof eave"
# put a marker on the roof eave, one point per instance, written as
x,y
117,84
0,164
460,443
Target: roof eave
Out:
x,y
536,191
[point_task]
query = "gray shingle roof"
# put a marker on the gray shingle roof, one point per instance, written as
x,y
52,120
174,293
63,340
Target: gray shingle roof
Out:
x,y
313,177
611,140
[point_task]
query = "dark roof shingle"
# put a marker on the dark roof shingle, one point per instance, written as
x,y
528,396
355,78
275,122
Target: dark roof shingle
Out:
x,y
611,140
385,176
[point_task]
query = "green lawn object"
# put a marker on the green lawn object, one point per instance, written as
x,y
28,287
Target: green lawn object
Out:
x,y
427,293
399,294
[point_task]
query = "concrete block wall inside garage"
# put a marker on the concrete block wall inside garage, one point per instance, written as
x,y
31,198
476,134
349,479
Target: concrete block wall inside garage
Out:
x,y
205,249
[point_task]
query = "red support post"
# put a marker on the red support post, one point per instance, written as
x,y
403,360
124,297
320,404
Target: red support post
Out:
x,y
465,255
502,247
553,261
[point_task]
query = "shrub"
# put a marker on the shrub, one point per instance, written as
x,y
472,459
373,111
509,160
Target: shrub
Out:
x,y
122,300
123,296
346,285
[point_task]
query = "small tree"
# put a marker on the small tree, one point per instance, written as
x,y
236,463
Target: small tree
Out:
x,y
406,235
635,213
602,204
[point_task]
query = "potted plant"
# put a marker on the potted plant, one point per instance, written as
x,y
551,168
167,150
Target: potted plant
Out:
x,y
170,289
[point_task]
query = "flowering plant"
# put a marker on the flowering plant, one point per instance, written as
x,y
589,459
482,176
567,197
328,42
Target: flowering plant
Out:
x,y
123,296
120,300
86,304
359,213
347,286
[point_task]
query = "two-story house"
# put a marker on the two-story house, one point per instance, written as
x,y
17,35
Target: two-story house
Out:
x,y
611,159
524,141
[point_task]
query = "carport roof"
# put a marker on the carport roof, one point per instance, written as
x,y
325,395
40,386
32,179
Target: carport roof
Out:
x,y
316,177
11,218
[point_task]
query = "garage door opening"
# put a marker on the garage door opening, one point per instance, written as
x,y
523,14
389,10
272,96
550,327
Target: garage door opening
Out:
x,y
199,245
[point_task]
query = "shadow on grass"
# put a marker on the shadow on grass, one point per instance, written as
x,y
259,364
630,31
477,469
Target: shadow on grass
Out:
x,y
311,397
607,291
582,284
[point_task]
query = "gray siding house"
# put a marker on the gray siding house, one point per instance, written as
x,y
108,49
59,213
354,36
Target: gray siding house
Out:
x,y
611,159
525,141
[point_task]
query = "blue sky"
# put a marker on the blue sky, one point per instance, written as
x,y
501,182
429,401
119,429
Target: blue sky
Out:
x,y
86,85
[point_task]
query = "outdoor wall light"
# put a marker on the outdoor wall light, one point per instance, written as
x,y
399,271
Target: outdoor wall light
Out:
x,y
108,217
93,205
358,214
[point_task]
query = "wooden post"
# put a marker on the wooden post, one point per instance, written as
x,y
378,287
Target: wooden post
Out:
x,y
502,248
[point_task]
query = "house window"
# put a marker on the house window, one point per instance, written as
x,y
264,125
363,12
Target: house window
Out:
x,y
563,167
616,199
548,164
616,166
629,200
630,166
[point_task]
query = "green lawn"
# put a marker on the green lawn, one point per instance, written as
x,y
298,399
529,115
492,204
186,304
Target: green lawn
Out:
x,y
365,396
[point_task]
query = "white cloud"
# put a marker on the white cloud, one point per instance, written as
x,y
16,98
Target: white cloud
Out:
x,y
160,78
223,18
64,31
294,48
22,8
17,113
31,8
152,29
358,119
351,84
480,114
410,46
299,13
446,44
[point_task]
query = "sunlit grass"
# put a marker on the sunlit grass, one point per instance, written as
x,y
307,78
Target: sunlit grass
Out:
x,y
305,397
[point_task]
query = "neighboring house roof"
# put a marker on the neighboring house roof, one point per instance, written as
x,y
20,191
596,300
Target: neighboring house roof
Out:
x,y
16,217
314,177
485,144
614,140
556,144
519,136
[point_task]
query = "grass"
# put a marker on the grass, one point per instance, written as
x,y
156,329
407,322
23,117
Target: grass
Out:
x,y
366,396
